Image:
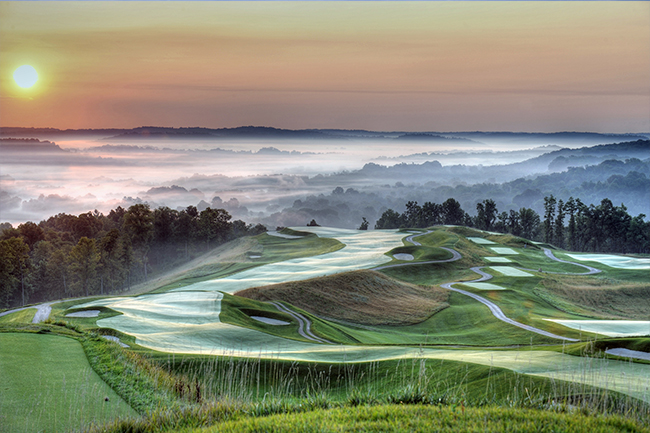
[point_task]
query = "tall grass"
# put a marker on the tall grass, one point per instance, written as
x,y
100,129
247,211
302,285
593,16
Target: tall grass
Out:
x,y
201,391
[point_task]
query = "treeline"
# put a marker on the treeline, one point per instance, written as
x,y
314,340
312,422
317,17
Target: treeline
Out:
x,y
571,224
69,256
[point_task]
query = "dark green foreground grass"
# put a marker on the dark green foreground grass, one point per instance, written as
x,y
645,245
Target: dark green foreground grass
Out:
x,y
48,385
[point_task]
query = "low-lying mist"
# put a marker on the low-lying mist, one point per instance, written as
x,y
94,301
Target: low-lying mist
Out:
x,y
256,179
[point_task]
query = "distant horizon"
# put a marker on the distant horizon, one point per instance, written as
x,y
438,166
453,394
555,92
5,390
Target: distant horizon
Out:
x,y
329,128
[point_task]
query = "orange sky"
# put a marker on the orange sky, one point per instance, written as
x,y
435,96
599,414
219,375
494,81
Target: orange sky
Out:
x,y
437,66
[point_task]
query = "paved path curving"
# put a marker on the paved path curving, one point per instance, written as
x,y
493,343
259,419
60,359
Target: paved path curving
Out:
x,y
494,308
455,255
304,324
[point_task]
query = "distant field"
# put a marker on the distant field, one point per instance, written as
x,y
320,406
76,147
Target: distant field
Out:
x,y
48,385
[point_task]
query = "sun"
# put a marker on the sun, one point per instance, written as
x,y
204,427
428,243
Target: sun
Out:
x,y
25,76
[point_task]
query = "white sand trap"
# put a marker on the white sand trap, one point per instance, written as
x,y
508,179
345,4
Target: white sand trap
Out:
x,y
498,259
627,353
254,257
619,262
481,241
403,256
501,250
187,320
87,313
270,321
115,339
510,271
611,328
282,235
485,286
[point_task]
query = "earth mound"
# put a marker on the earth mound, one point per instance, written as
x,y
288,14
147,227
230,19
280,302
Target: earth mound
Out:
x,y
363,297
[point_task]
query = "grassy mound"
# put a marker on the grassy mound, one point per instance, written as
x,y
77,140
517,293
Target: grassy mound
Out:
x,y
364,297
602,298
421,418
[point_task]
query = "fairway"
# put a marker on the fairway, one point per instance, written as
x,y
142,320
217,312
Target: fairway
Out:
x,y
611,328
481,241
503,250
619,262
484,286
48,385
498,259
510,271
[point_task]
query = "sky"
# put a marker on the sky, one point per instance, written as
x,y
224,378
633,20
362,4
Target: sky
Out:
x,y
414,66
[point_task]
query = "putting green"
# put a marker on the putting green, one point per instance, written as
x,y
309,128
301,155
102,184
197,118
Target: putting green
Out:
x,y
481,241
48,385
498,259
484,286
611,328
503,250
619,262
510,271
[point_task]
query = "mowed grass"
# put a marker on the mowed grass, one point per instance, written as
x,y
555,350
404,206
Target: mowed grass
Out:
x,y
48,385
425,418
235,257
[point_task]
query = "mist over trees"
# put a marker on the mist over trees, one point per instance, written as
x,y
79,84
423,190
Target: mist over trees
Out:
x,y
89,254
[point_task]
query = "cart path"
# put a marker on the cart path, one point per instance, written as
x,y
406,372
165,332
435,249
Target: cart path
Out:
x,y
484,276
455,255
550,255
304,324
494,309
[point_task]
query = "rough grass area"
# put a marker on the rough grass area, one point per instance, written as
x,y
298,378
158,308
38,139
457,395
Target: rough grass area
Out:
x,y
599,297
23,316
426,418
365,297
48,385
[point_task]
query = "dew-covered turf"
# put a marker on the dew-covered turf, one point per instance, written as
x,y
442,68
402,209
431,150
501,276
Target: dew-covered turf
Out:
x,y
503,250
497,259
611,328
484,286
619,262
156,323
510,271
481,241
47,385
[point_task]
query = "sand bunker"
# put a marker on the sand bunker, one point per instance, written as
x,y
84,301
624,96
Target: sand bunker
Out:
x,y
270,321
498,259
500,250
282,235
115,339
510,271
254,257
403,256
484,286
619,262
87,313
611,328
627,353
481,241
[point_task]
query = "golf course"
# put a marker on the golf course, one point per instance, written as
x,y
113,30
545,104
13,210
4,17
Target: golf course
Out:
x,y
308,321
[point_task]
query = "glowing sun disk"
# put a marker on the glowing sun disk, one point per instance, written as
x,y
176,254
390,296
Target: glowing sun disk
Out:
x,y
25,76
